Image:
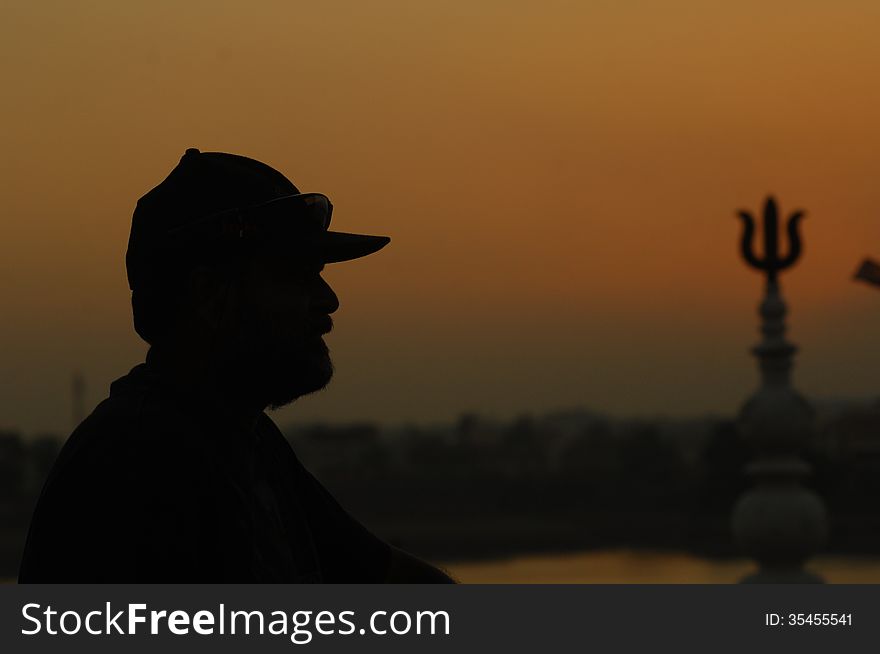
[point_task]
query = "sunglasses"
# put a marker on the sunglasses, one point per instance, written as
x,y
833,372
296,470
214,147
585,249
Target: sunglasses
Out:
x,y
304,214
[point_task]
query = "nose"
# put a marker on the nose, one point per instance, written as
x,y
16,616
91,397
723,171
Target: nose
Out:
x,y
325,299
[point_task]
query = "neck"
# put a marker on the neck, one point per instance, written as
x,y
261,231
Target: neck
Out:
x,y
204,379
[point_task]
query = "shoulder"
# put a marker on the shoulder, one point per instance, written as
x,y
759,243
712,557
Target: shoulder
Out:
x,y
128,429
127,466
136,437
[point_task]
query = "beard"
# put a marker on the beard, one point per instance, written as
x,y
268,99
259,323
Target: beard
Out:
x,y
296,372
273,376
278,350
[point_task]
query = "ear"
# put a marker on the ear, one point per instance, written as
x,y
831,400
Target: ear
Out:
x,y
207,295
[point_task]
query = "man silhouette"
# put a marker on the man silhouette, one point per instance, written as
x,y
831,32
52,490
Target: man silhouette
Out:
x,y
179,475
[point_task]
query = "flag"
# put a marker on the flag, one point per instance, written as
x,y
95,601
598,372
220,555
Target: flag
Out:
x,y
869,272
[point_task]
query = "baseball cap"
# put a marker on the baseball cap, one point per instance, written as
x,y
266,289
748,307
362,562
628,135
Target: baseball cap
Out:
x,y
212,200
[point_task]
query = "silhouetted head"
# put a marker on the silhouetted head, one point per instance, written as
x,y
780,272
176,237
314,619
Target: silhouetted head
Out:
x,y
224,262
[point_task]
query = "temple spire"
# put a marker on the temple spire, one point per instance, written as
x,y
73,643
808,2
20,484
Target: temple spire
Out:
x,y
778,522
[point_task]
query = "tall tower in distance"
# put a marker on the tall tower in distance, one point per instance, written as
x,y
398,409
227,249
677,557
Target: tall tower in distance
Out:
x,y
779,522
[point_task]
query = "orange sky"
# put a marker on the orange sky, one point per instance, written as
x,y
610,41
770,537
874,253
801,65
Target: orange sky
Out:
x,y
559,179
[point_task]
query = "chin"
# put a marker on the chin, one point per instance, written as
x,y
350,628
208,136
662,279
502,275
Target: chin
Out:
x,y
302,378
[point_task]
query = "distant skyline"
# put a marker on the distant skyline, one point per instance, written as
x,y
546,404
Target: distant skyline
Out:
x,y
559,179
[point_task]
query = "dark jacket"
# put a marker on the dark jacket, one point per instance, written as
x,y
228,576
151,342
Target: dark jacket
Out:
x,y
153,487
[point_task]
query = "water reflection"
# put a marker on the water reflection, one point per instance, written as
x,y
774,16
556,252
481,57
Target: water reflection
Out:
x,y
628,566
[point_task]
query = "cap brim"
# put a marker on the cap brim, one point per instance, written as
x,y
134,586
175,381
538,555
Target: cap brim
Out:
x,y
341,246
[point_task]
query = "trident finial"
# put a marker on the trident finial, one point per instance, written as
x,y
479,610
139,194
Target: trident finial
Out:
x,y
773,262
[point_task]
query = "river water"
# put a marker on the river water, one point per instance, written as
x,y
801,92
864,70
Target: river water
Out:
x,y
628,567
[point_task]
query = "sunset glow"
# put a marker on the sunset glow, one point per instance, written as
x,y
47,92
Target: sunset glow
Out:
x,y
559,180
